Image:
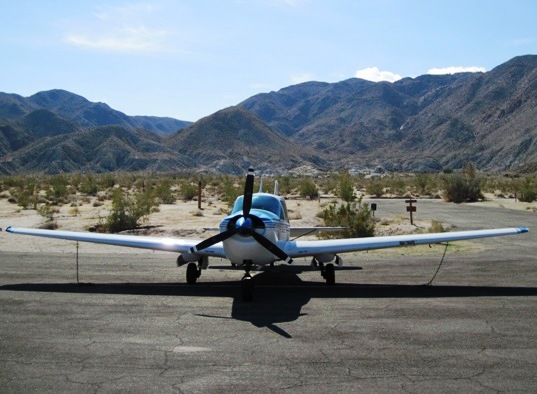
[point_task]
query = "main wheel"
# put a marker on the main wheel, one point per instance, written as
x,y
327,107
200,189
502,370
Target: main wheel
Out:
x,y
191,273
247,286
329,274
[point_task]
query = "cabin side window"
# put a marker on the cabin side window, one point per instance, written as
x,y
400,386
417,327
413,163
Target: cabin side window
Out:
x,y
283,211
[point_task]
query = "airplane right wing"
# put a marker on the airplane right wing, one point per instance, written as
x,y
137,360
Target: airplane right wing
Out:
x,y
297,232
335,246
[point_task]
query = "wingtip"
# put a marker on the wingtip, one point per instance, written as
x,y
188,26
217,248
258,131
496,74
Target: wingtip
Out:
x,y
523,230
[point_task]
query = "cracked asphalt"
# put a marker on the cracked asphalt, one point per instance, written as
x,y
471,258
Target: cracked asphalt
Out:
x,y
133,325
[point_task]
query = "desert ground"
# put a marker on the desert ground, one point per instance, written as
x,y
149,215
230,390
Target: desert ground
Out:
x,y
132,324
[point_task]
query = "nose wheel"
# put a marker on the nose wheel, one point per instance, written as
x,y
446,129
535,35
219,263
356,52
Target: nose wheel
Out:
x,y
247,287
192,273
247,283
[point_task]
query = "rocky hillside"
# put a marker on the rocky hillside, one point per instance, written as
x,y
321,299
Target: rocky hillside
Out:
x,y
425,123
416,124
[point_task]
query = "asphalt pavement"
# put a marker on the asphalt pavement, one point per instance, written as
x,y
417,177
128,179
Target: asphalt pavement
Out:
x,y
131,324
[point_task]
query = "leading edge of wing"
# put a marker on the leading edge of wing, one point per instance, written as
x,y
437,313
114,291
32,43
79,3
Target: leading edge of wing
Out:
x,y
312,248
133,241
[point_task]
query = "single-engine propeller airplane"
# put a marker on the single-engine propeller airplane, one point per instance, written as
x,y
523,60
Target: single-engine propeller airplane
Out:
x,y
257,233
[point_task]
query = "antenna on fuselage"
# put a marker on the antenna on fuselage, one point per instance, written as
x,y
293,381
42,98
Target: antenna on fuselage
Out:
x,y
276,188
261,184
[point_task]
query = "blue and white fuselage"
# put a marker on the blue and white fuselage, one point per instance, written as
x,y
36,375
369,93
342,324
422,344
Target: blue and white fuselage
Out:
x,y
267,217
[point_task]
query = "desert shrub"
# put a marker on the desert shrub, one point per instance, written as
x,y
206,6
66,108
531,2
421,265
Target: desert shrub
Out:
x,y
375,188
422,183
229,190
460,188
437,227
163,192
527,190
188,190
127,211
58,186
345,187
106,181
89,186
354,216
308,189
23,199
48,212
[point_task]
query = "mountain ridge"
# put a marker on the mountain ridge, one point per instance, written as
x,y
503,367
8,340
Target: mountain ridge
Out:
x,y
426,123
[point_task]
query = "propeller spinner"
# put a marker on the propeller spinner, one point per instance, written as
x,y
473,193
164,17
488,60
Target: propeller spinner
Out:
x,y
245,225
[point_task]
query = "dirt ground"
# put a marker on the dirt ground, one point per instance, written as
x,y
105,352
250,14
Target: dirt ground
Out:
x,y
185,220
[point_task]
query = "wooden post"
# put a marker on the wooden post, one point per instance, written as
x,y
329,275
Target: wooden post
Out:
x,y
199,195
411,208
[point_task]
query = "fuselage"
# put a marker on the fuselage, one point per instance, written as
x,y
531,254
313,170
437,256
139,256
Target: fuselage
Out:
x,y
268,217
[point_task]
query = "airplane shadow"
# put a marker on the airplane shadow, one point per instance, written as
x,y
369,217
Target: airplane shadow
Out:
x,y
278,297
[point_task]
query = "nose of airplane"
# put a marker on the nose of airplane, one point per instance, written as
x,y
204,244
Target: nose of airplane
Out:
x,y
244,226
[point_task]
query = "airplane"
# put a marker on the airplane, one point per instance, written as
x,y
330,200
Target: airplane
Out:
x,y
257,233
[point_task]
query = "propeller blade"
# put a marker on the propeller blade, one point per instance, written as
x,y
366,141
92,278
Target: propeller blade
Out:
x,y
248,192
271,247
214,240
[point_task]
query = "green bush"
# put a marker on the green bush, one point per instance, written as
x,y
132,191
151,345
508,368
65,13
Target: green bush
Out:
x,y
354,216
308,189
89,185
345,187
459,188
127,211
163,192
375,188
527,191
188,190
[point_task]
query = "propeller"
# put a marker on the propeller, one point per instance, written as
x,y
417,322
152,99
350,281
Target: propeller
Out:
x,y
245,225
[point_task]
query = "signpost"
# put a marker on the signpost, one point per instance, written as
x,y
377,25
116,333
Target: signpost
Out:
x,y
411,208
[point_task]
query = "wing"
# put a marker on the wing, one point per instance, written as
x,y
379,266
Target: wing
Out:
x,y
155,243
297,232
313,248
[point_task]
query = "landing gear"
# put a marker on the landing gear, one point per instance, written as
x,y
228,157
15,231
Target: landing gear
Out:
x,y
247,287
192,273
247,283
328,271
329,274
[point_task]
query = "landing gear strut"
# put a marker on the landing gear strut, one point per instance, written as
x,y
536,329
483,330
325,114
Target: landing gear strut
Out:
x,y
329,274
247,283
327,271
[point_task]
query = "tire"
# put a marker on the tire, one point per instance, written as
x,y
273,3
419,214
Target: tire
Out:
x,y
191,273
247,287
330,275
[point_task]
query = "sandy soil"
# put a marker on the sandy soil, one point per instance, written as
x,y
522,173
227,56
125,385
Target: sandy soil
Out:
x,y
182,219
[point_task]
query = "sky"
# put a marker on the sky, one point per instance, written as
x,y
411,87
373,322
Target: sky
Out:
x,y
189,59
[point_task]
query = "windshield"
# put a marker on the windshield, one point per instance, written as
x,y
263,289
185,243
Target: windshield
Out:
x,y
266,203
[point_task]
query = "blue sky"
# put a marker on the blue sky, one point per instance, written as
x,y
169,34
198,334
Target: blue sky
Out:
x,y
188,59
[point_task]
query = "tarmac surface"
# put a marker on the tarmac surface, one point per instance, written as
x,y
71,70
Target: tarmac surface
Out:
x,y
133,325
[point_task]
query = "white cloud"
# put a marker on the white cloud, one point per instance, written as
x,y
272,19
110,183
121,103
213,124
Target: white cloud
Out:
x,y
456,69
375,75
140,39
120,29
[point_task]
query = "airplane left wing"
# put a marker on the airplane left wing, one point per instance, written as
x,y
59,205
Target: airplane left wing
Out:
x,y
155,243
335,246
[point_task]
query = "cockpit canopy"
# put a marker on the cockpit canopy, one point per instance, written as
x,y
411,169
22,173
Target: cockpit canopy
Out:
x,y
265,202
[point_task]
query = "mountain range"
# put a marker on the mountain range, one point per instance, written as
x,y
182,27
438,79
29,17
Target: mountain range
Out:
x,y
426,123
